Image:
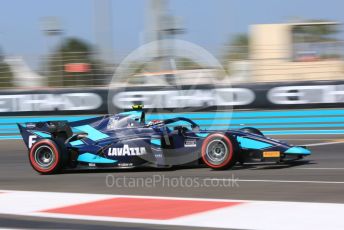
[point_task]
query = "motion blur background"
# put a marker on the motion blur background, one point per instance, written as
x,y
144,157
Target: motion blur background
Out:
x,y
276,65
60,57
80,43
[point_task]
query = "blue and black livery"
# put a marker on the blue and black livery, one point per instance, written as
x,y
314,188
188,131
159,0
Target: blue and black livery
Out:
x,y
125,140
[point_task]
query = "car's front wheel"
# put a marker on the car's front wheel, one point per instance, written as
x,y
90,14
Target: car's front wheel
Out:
x,y
46,157
219,151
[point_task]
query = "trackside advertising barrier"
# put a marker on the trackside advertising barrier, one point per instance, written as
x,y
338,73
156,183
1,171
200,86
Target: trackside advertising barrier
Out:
x,y
295,95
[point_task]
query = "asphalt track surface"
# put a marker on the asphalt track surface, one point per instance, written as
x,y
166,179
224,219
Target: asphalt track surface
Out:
x,y
318,178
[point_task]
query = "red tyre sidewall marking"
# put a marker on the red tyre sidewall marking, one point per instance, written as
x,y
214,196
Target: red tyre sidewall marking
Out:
x,y
204,149
55,152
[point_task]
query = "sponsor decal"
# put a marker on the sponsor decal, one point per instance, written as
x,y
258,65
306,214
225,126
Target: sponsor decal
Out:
x,y
127,151
50,102
32,140
158,155
176,98
30,125
125,164
190,143
271,154
241,96
245,96
307,94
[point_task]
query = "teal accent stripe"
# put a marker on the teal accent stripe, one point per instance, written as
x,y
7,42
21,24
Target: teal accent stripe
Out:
x,y
45,135
289,113
274,126
93,134
298,150
156,142
91,158
202,134
270,120
302,132
276,119
12,120
8,126
132,113
209,115
252,144
253,114
225,127
9,131
77,142
10,137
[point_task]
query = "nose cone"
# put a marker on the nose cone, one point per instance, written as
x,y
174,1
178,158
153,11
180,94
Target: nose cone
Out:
x,y
298,150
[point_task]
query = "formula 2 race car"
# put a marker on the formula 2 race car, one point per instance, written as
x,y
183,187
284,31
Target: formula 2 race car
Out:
x,y
125,140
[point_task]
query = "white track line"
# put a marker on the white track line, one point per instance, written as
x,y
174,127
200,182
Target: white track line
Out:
x,y
14,228
281,181
320,168
306,139
267,215
324,143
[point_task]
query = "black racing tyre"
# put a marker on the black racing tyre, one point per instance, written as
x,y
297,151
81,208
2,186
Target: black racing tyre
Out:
x,y
252,130
46,157
219,151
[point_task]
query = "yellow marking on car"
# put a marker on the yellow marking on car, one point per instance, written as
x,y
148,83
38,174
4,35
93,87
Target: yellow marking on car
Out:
x,y
271,154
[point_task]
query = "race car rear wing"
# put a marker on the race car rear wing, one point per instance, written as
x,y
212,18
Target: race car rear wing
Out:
x,y
33,131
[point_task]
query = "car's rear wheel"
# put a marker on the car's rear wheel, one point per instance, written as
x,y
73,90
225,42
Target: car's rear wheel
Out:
x,y
219,151
46,157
